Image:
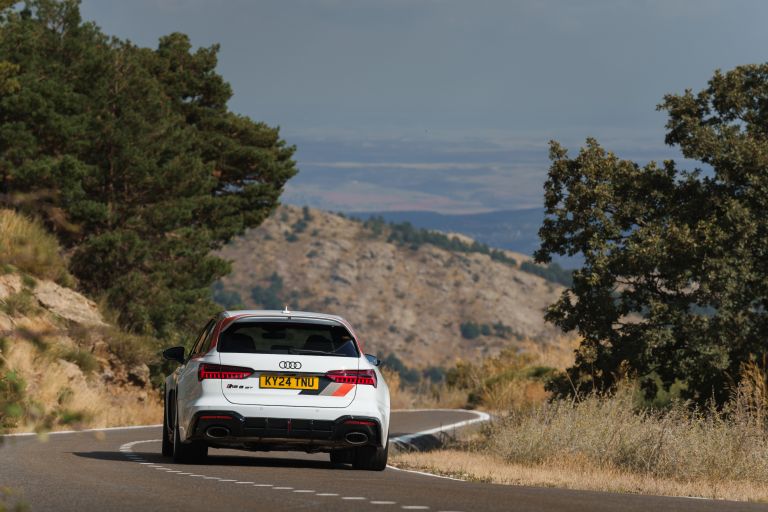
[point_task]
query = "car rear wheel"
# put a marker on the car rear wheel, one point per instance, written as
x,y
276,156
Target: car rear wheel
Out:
x,y
189,453
167,440
371,458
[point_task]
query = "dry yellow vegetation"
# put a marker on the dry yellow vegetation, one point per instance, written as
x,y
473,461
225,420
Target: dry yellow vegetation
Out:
x,y
611,443
27,246
62,365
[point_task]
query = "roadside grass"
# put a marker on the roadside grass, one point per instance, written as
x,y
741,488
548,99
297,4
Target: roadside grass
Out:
x,y
614,443
571,473
30,248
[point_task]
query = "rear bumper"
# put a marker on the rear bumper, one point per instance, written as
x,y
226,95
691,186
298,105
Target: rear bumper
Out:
x,y
231,429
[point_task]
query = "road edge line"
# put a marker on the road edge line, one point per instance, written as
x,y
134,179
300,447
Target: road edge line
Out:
x,y
57,432
407,440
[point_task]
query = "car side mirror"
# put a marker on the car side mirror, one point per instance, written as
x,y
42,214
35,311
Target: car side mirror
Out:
x,y
174,354
375,361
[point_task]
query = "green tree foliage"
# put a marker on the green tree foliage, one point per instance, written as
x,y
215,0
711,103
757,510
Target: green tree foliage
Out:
x,y
552,272
269,297
675,279
404,233
135,158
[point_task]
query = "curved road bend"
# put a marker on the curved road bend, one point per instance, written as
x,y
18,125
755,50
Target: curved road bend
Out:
x,y
122,469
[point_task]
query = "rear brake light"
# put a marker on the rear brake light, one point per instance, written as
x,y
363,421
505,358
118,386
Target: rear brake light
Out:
x,y
218,371
366,423
365,377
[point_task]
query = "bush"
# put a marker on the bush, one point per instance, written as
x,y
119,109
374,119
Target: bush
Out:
x,y
22,303
269,297
83,359
225,298
469,330
28,247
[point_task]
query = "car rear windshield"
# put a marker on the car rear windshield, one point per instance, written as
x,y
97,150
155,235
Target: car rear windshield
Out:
x,y
259,337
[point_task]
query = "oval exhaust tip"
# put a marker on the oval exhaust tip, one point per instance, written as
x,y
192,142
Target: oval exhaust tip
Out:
x,y
217,432
356,438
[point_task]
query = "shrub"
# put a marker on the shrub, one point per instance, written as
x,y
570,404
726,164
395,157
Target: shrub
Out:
x,y
226,298
269,297
469,330
21,303
83,359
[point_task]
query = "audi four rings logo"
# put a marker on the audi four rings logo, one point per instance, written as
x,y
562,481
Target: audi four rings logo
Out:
x,y
290,365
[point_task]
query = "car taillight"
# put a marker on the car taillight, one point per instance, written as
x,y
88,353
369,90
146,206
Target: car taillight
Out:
x,y
366,377
366,423
218,371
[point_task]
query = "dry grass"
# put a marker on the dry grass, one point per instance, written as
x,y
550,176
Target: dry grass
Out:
x,y
425,396
611,443
60,396
572,473
610,432
28,247
512,379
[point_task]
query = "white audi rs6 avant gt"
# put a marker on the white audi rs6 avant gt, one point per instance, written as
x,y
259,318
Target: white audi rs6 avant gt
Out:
x,y
277,380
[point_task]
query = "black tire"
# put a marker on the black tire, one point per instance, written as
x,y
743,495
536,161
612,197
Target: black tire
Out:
x,y
189,453
371,458
342,456
167,440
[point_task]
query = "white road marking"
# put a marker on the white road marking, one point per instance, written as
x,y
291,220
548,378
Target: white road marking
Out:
x,y
405,440
59,432
425,474
408,438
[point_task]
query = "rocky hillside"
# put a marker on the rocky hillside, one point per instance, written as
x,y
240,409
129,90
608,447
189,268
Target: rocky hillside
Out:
x,y
62,364
426,304
73,368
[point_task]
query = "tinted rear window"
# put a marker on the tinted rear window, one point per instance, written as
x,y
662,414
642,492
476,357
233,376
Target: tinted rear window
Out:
x,y
297,338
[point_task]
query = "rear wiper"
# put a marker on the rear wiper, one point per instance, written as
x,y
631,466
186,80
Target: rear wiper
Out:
x,y
307,351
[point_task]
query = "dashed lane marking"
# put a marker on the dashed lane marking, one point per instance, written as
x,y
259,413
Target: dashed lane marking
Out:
x,y
126,450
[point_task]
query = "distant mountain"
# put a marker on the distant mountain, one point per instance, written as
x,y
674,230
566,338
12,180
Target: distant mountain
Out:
x,y
403,291
515,230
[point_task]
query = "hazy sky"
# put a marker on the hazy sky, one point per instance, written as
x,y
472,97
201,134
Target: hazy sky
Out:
x,y
449,104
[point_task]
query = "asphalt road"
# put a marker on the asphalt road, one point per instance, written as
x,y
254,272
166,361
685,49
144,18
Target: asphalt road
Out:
x,y
117,470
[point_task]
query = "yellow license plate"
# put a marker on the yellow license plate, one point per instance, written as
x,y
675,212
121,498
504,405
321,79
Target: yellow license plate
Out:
x,y
288,382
